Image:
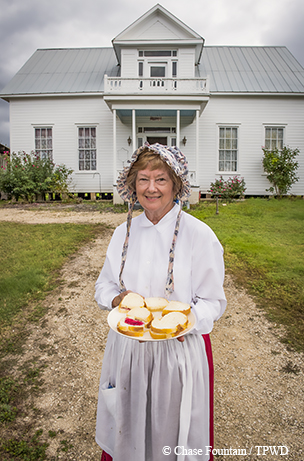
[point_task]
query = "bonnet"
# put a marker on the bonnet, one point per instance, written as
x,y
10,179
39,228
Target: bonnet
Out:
x,y
177,161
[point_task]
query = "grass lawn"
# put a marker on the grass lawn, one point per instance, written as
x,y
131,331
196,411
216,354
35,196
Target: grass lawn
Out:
x,y
30,256
264,249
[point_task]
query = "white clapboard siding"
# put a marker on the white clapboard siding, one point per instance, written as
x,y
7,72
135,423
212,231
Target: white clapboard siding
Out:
x,y
186,63
64,115
129,67
251,115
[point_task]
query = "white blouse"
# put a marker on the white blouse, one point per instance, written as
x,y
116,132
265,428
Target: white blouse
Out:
x,y
198,265
156,394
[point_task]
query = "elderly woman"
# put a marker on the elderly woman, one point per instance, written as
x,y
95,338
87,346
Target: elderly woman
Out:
x,y
155,398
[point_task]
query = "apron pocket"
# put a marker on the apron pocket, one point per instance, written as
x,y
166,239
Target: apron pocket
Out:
x,y
108,394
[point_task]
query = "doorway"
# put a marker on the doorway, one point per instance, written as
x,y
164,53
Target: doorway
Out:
x,y
160,139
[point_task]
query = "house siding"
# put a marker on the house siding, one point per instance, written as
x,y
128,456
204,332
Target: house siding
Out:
x,y
64,115
129,66
251,115
186,63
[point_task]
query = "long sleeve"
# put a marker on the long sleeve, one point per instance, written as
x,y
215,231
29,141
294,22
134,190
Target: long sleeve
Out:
x,y
199,272
106,286
209,300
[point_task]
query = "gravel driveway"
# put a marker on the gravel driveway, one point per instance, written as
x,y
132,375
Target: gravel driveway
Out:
x,y
259,385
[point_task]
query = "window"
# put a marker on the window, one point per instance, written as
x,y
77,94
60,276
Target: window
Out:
x,y
157,71
157,129
154,53
87,148
228,149
274,138
44,142
174,69
140,69
157,64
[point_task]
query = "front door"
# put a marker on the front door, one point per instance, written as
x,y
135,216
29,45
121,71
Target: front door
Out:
x,y
160,139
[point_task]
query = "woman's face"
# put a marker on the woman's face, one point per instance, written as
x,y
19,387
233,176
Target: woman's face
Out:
x,y
154,189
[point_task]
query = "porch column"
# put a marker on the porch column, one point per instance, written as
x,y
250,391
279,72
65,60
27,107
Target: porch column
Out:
x,y
195,194
197,143
177,128
134,129
116,197
114,148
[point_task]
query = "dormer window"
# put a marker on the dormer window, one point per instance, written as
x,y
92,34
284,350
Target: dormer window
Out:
x,y
157,63
157,70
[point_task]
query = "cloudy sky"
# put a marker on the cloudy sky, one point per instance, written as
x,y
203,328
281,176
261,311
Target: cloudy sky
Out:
x,y
31,24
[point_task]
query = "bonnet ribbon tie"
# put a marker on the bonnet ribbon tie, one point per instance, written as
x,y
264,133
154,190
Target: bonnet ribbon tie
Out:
x,y
170,279
122,286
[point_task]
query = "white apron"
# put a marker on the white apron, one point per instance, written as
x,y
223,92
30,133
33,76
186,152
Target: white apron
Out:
x,y
156,394
151,396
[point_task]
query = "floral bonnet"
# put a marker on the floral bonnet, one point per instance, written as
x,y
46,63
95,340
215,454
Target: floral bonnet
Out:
x,y
172,156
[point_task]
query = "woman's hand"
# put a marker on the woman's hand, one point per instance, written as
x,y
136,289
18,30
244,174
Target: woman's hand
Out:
x,y
181,339
117,300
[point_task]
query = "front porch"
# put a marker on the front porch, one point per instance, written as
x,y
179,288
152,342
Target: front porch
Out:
x,y
156,110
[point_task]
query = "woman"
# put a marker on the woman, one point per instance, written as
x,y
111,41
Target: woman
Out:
x,y
159,394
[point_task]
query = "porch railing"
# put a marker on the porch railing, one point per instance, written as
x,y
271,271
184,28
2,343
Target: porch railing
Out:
x,y
119,85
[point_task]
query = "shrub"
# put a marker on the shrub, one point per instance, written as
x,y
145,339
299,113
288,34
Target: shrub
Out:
x,y
28,175
280,167
228,190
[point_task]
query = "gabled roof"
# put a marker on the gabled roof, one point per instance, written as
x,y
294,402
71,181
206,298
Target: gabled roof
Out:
x,y
158,27
251,70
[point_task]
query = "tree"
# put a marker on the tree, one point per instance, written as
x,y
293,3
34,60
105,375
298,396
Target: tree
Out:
x,y
280,167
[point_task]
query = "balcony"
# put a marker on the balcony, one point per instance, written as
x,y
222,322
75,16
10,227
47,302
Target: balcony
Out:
x,y
156,86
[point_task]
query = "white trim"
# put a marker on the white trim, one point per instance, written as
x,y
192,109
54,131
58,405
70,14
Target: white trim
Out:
x,y
197,140
43,125
114,148
178,128
134,129
102,94
85,125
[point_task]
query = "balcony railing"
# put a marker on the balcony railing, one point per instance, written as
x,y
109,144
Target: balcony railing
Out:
x,y
118,85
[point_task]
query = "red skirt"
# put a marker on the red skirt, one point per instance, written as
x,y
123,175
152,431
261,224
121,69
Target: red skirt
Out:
x,y
106,457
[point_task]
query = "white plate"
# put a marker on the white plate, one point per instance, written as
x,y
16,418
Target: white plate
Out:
x,y
114,317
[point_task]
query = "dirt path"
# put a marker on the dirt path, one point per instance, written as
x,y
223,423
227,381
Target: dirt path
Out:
x,y
259,384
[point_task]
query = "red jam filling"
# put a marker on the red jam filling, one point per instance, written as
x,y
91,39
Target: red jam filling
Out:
x,y
133,321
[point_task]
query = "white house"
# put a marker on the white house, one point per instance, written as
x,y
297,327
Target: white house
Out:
x,y
91,107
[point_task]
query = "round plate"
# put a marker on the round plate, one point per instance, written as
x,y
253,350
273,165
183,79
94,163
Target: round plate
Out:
x,y
114,317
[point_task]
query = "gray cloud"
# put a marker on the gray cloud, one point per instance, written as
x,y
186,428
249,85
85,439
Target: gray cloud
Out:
x,y
26,26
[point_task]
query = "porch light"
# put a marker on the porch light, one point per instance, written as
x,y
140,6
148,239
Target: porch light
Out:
x,y
129,141
184,140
